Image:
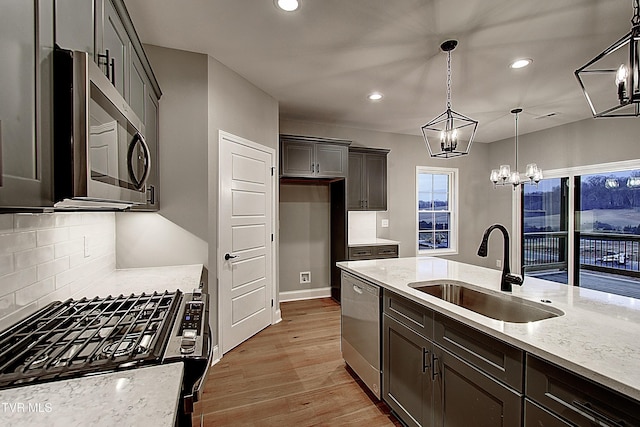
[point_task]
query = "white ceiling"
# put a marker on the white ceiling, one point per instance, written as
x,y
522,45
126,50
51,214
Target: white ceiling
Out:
x,y
320,62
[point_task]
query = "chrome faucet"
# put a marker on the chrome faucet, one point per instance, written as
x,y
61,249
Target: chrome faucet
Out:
x,y
507,278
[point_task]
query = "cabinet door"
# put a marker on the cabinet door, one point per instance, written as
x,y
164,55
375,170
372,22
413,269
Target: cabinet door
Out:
x,y
375,182
114,39
26,44
331,160
137,87
535,416
153,141
355,195
465,396
297,159
407,385
74,25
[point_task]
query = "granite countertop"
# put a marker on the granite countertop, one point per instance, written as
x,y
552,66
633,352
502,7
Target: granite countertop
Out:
x,y
138,280
138,397
372,242
597,337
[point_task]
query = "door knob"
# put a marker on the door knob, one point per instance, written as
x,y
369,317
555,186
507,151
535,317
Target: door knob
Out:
x,y
227,257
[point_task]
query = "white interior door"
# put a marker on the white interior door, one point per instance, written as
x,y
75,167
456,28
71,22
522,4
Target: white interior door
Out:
x,y
245,242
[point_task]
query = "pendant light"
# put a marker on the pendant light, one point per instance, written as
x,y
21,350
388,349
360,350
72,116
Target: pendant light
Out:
x,y
611,80
450,134
505,176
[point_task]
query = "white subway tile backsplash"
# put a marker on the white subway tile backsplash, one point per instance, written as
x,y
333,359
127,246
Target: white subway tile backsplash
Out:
x,y
6,264
15,242
51,236
10,283
6,223
51,268
23,222
42,258
31,257
26,296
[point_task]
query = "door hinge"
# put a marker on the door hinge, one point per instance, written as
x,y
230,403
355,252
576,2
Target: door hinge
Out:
x,y
273,170
272,303
272,237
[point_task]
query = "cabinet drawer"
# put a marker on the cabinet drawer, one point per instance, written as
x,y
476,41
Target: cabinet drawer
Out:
x,y
535,416
410,314
488,354
388,251
361,252
577,399
373,252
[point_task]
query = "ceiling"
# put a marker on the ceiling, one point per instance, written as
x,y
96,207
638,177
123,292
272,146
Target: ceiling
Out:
x,y
322,61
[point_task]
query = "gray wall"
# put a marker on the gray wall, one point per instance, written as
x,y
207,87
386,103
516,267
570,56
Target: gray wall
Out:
x,y
407,152
304,236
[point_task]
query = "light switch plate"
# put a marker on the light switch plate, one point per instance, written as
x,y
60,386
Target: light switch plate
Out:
x,y
385,223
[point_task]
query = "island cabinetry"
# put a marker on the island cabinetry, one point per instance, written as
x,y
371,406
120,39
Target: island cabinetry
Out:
x,y
313,157
563,398
367,181
434,370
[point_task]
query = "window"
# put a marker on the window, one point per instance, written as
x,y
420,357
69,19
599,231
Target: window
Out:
x,y
437,213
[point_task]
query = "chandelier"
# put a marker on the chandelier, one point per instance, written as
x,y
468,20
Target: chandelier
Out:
x,y
610,81
450,134
504,175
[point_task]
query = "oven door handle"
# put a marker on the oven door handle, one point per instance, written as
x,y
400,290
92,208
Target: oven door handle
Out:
x,y
196,390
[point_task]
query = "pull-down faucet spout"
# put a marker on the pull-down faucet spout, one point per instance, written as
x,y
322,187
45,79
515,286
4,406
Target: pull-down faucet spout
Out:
x,y
507,278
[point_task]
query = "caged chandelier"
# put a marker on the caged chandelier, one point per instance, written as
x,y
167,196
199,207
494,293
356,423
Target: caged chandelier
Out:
x,y
611,80
450,134
505,176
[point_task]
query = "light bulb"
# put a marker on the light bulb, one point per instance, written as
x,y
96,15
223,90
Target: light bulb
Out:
x,y
495,176
532,168
505,172
621,82
515,179
288,5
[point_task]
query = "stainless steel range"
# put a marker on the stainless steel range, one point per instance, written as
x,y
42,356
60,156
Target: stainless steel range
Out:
x,y
88,336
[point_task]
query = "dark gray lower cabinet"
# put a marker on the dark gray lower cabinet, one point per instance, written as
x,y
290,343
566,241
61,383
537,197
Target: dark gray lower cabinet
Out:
x,y
427,385
535,416
466,396
407,386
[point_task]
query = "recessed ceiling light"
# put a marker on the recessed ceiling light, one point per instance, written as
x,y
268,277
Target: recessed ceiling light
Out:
x,y
288,5
375,96
521,63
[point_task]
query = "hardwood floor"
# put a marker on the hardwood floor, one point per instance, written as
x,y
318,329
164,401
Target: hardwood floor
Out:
x,y
291,374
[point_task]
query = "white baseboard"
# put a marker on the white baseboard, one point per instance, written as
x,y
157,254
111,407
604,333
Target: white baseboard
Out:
x,y
305,294
277,317
216,355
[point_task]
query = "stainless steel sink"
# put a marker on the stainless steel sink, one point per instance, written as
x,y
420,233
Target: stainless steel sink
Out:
x,y
497,306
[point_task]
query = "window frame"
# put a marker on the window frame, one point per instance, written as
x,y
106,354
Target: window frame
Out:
x,y
453,174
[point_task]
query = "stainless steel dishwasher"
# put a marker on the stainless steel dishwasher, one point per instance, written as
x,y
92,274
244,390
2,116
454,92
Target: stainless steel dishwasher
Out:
x,y
360,303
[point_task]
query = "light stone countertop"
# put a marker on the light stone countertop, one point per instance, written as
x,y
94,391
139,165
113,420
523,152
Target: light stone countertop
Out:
x,y
138,397
138,280
372,242
597,337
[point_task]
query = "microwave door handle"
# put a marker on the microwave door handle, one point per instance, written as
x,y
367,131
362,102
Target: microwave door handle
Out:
x,y
139,184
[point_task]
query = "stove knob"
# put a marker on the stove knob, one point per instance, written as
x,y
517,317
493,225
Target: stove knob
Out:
x,y
188,341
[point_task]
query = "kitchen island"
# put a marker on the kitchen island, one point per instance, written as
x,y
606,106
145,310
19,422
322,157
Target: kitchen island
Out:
x,y
137,397
597,337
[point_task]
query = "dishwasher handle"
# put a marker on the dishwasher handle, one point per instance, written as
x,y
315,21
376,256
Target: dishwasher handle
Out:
x,y
357,289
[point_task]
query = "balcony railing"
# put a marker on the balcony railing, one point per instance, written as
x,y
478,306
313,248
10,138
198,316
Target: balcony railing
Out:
x,y
611,253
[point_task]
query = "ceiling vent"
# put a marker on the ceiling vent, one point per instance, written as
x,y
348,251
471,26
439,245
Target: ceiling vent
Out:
x,y
546,116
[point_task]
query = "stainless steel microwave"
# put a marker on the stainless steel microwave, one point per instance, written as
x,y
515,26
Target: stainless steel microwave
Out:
x,y
101,159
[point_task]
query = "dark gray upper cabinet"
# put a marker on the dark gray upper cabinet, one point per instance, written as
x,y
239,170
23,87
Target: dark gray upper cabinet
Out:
x,y
313,157
112,46
26,31
367,180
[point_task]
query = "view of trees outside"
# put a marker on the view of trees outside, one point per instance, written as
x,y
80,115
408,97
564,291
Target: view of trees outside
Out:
x,y
434,216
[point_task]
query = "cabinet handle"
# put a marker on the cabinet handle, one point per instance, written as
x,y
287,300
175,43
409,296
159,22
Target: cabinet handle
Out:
x,y
434,373
425,360
106,57
318,167
152,195
113,71
586,409
313,168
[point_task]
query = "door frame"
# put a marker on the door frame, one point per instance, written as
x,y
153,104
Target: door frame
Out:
x,y
225,138
571,173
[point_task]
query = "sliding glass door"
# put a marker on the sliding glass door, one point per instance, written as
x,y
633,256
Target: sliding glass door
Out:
x,y
583,229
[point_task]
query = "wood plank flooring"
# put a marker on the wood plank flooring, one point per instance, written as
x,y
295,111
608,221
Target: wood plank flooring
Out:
x,y
291,374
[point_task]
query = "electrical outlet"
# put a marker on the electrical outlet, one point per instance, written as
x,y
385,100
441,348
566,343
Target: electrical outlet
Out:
x,y
87,247
499,263
385,223
305,277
